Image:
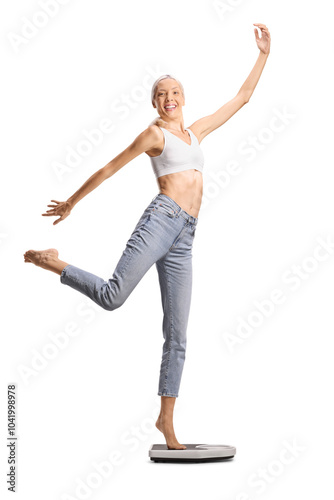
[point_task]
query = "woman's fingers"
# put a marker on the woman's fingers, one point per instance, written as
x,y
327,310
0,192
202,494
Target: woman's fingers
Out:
x,y
53,208
58,220
52,211
56,210
262,27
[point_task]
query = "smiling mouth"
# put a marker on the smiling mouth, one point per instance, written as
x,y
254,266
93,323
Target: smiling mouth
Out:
x,y
170,107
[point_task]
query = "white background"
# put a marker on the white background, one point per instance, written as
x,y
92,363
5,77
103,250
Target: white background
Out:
x,y
98,395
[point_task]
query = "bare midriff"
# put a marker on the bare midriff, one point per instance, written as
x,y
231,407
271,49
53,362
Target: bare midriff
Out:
x,y
185,188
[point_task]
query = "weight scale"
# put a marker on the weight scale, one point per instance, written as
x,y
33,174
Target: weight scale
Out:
x,y
194,453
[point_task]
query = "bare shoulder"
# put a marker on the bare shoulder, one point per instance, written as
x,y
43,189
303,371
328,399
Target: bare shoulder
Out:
x,y
152,140
148,138
154,132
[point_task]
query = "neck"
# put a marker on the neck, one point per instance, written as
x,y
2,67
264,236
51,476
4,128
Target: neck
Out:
x,y
176,125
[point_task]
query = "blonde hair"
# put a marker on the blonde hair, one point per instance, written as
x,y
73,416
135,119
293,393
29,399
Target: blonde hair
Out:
x,y
158,120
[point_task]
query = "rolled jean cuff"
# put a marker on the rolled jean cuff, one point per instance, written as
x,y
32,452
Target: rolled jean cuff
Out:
x,y
63,274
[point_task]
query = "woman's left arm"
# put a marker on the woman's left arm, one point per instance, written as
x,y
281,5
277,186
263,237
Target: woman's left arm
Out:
x,y
208,124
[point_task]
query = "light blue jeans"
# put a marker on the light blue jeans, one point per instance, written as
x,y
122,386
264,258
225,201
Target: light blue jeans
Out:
x,y
163,236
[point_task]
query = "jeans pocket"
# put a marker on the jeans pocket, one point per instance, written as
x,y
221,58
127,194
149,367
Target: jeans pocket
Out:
x,y
165,209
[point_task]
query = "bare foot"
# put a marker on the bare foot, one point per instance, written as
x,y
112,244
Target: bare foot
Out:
x,y
168,431
41,258
47,259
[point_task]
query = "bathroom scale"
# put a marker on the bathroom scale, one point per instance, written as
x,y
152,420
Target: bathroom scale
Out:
x,y
193,453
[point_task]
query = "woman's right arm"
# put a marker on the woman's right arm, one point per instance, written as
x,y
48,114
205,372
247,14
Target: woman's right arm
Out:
x,y
145,141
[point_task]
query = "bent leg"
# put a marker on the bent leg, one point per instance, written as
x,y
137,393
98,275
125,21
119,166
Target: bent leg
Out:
x,y
148,243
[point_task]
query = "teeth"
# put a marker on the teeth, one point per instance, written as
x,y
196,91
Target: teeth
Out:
x,y
169,107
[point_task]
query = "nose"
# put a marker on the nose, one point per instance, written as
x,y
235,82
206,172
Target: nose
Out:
x,y
169,98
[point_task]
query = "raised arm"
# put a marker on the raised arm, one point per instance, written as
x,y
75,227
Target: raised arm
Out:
x,y
145,141
208,124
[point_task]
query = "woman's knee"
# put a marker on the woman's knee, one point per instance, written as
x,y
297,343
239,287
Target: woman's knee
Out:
x,y
111,306
111,303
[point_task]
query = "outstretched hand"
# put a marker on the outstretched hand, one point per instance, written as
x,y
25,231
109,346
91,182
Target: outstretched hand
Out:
x,y
61,208
263,43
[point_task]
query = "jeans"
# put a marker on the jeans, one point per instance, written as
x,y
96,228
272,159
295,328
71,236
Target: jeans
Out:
x,y
163,236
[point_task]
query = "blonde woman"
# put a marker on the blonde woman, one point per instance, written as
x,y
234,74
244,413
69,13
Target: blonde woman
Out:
x,y
165,232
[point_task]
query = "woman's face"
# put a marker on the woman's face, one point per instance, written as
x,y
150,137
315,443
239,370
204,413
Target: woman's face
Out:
x,y
168,98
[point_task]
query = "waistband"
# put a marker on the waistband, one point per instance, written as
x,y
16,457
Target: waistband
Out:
x,y
189,218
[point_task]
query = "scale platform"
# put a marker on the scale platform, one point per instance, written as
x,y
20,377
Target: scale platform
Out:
x,y
193,453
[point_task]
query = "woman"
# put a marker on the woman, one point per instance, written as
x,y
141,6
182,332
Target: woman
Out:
x,y
164,234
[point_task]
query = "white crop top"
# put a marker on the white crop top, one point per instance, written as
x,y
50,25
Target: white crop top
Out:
x,y
177,155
